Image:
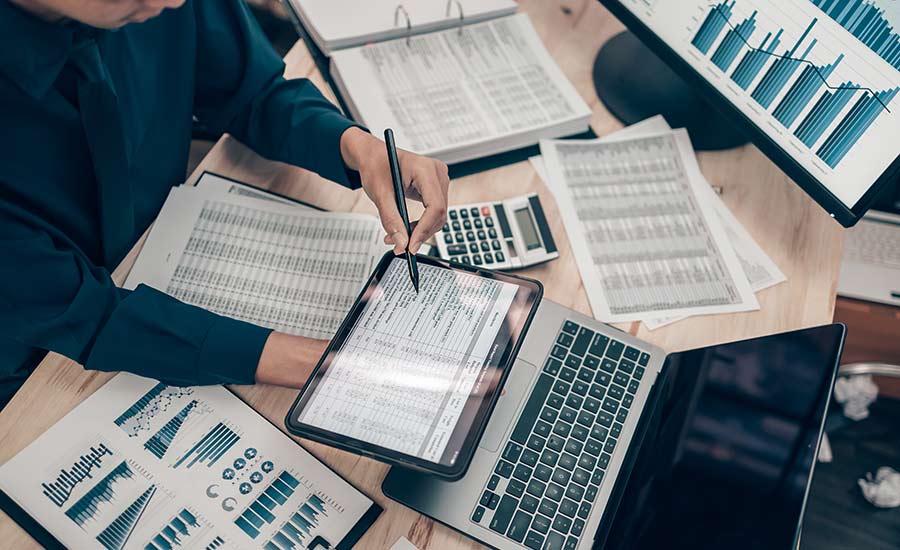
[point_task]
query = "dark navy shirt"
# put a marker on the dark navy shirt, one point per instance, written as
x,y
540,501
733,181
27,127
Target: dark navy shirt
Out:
x,y
207,59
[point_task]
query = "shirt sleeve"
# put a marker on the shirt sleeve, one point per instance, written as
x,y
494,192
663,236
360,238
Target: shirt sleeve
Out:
x,y
240,90
52,297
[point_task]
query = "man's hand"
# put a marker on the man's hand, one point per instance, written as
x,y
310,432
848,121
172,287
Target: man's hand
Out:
x,y
424,179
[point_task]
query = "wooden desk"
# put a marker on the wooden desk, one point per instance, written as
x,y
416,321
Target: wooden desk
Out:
x,y
797,234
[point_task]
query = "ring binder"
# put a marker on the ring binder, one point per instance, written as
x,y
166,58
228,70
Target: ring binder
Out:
x,y
397,12
462,16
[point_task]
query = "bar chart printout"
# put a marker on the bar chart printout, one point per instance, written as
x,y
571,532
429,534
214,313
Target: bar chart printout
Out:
x,y
828,129
210,448
60,489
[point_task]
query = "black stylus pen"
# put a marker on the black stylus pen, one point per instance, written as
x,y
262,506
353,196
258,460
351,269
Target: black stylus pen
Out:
x,y
400,197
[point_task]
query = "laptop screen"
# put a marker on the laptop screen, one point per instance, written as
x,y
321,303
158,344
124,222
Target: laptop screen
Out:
x,y
730,445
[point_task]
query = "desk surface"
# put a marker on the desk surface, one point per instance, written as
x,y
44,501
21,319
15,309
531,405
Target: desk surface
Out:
x,y
798,235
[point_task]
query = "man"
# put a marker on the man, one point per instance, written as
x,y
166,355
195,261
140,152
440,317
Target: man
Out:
x,y
96,106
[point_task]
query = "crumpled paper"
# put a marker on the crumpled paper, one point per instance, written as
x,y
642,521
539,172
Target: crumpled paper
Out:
x,y
883,490
855,394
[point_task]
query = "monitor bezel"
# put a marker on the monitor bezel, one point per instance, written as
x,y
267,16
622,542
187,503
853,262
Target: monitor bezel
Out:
x,y
846,216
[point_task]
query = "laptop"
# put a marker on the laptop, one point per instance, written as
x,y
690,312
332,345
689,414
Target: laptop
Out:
x,y
870,269
604,441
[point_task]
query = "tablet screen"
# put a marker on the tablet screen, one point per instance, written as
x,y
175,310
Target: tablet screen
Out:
x,y
413,370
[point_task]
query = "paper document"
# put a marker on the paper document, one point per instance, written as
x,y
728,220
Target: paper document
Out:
x,y
293,270
411,360
213,182
142,465
462,93
403,544
647,242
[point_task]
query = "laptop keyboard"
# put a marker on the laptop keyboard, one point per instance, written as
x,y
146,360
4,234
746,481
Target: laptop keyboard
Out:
x,y
547,478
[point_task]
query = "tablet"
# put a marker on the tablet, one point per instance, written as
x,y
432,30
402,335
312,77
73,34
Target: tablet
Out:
x,y
411,378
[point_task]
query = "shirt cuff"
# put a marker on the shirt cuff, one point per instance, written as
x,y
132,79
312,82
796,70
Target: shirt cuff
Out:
x,y
231,351
330,126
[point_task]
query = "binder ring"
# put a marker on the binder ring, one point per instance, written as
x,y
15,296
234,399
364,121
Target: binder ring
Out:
x,y
397,11
459,8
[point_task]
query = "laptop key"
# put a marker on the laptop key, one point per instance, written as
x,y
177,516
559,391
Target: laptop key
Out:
x,y
543,472
639,372
603,378
570,327
573,446
577,527
548,457
597,477
605,419
603,461
515,488
555,400
567,374
548,507
587,462
626,366
622,415
580,387
633,386
599,432
598,346
591,362
529,503
579,432
555,541
586,375
567,461
561,387
615,349
627,400
532,408
584,510
548,414
559,352
581,476
616,429
561,476
552,366
569,415
591,492
554,492
503,514
541,524
562,524
522,473
644,359
495,499
493,481
597,391
512,451
582,341
616,391
478,514
608,365
562,429
519,526
632,353
485,498
536,443
621,378
571,543
564,339
575,492
542,428
610,445
593,447
534,540
573,361
591,404
535,489
610,405
556,443
504,468
574,401
568,507
585,418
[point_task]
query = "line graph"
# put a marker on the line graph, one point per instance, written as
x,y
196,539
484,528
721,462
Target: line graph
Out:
x,y
138,417
60,489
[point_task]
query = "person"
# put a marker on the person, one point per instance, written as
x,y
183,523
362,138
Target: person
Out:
x,y
99,98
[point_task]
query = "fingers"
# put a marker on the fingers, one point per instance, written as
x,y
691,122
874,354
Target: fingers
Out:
x,y
432,185
395,231
412,227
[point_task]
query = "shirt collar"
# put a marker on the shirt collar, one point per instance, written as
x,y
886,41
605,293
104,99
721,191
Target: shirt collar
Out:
x,y
32,51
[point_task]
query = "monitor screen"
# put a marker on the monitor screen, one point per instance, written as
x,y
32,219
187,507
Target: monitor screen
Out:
x,y
730,446
818,79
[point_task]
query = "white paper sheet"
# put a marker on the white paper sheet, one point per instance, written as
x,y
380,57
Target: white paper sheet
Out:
x,y
141,465
461,93
409,365
403,544
644,252
213,182
275,265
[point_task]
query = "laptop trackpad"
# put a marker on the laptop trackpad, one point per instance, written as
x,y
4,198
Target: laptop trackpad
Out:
x,y
516,387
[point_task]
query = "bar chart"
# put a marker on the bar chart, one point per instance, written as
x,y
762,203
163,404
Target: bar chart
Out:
x,y
210,448
867,21
60,489
87,507
793,89
139,416
114,536
183,530
262,510
299,526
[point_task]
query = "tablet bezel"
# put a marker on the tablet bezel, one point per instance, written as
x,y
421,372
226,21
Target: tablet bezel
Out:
x,y
483,414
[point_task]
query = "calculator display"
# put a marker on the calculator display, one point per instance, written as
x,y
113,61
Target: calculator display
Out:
x,y
529,233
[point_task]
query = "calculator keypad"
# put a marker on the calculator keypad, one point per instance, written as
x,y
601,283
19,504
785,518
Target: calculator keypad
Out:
x,y
471,238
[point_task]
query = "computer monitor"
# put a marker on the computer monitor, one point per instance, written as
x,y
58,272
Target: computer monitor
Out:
x,y
813,83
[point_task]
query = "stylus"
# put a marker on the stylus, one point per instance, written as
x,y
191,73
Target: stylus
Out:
x,y
400,196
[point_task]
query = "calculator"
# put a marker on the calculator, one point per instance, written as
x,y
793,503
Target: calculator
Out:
x,y
504,235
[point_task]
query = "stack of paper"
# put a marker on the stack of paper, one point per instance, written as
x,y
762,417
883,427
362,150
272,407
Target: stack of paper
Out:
x,y
462,93
337,24
652,241
259,258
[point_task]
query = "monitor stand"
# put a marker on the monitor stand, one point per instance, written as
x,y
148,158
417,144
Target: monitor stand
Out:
x,y
635,84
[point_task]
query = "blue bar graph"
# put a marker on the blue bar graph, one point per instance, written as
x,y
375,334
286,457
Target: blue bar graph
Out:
x,y
781,71
261,511
866,21
802,92
713,24
159,443
734,40
217,542
211,447
857,121
299,526
138,416
174,534
86,507
116,533
59,490
753,61
823,114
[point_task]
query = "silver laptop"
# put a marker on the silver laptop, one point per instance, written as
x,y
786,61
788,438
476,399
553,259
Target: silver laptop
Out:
x,y
592,417
870,269
558,433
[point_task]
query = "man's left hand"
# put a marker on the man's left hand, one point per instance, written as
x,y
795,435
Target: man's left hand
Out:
x,y
424,179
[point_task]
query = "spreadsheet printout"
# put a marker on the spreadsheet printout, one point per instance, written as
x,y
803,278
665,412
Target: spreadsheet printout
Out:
x,y
411,361
445,90
645,238
286,268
